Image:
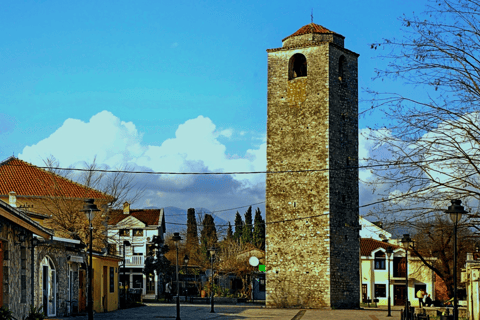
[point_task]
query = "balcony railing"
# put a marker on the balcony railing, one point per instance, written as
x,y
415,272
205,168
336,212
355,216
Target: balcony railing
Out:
x,y
134,261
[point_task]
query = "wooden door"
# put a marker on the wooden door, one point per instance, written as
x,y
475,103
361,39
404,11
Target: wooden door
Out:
x,y
82,299
399,293
364,293
105,289
150,283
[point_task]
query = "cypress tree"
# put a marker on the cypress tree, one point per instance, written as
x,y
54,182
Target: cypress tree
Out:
x,y
229,232
192,232
259,230
247,236
238,227
208,236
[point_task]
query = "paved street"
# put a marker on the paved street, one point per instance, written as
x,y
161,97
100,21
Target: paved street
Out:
x,y
199,312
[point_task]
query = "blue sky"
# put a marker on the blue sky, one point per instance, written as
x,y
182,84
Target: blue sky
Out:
x,y
164,86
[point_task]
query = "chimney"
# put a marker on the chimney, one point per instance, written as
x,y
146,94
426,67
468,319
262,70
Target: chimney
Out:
x,y
126,208
12,199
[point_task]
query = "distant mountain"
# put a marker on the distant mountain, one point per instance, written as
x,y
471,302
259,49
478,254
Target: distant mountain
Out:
x,y
176,219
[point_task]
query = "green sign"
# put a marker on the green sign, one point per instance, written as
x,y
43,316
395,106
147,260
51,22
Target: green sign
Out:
x,y
261,267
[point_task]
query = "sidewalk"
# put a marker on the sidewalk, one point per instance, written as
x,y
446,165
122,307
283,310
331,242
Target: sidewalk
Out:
x,y
155,311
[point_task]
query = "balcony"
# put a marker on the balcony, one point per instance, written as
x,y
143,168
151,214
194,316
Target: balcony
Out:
x,y
134,261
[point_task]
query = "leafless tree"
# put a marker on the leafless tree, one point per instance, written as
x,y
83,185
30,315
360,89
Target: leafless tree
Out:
x,y
429,153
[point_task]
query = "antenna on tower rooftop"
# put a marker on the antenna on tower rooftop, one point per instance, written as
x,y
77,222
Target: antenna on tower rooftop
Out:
x,y
311,16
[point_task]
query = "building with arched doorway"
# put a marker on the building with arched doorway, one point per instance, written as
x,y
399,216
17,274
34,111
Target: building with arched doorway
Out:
x,y
17,249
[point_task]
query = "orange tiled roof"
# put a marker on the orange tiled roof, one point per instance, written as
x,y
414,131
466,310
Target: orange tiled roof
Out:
x,y
25,179
367,245
311,28
148,216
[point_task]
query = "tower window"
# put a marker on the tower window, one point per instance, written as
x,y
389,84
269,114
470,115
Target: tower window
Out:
x,y
342,64
297,66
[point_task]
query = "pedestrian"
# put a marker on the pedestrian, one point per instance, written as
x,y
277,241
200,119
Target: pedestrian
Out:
x,y
428,301
420,296
168,292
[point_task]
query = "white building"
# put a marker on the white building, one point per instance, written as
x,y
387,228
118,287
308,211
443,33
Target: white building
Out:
x,y
376,267
471,279
135,228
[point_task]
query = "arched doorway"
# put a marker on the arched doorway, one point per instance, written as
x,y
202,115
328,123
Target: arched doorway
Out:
x,y
48,283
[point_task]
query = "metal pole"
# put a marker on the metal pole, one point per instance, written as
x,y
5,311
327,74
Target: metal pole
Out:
x,y
90,272
186,288
32,271
212,310
124,279
389,304
178,286
407,313
455,306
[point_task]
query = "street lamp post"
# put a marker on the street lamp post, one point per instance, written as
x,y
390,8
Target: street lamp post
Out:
x,y
125,243
89,208
176,238
389,254
185,259
455,211
406,240
212,254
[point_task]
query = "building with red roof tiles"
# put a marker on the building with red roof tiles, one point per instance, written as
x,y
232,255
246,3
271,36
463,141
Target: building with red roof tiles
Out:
x,y
136,228
376,267
50,199
28,180
54,202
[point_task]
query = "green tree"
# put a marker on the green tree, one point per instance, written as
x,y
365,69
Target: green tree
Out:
x,y
238,227
259,230
192,233
229,232
208,236
247,236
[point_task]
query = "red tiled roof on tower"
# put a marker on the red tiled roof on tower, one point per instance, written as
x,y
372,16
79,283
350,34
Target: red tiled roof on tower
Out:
x,y
25,179
312,28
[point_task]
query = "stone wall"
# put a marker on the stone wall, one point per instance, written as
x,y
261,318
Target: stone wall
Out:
x,y
16,268
312,247
58,253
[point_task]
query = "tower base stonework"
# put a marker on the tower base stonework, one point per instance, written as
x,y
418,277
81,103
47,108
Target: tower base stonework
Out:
x,y
312,242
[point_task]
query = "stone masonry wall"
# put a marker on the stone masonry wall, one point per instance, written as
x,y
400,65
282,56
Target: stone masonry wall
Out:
x,y
343,142
297,248
16,269
308,224
58,253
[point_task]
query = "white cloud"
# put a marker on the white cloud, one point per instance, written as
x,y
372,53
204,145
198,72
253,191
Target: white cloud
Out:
x,y
112,141
195,148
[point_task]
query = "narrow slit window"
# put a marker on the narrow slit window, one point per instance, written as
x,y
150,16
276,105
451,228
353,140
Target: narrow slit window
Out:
x,y
342,63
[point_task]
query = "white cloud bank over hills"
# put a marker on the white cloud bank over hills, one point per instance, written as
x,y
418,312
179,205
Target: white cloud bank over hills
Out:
x,y
195,148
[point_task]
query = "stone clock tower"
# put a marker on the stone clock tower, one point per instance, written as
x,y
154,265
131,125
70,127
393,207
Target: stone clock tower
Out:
x,y
312,242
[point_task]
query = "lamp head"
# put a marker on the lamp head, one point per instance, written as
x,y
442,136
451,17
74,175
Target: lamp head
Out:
x,y
406,240
212,251
389,252
455,211
89,208
176,237
185,259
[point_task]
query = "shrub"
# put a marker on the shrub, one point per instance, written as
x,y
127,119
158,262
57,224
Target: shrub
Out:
x,y
6,314
35,314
